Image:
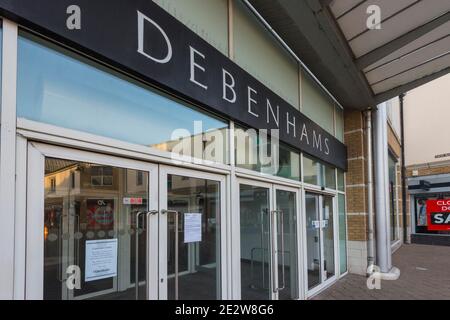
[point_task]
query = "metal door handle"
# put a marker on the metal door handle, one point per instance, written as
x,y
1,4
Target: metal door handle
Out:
x,y
281,214
60,248
136,267
176,213
77,219
275,254
146,215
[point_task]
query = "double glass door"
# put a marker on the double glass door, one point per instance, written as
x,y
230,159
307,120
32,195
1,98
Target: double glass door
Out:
x,y
320,239
101,227
268,241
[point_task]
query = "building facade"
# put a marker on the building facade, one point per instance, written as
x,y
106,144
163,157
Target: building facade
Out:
x,y
133,164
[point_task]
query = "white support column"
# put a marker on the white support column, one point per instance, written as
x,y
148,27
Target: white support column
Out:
x,y
382,208
8,158
381,196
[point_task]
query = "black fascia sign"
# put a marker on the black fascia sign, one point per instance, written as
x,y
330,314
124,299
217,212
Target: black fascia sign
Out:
x,y
140,38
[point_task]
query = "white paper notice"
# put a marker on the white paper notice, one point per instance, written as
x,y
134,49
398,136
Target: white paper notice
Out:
x,y
192,227
101,259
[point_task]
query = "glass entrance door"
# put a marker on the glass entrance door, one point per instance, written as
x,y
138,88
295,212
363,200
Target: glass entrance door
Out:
x,y
268,241
93,220
101,227
320,239
191,227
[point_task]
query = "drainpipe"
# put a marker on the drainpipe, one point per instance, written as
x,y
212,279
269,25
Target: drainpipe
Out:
x,y
383,237
371,227
402,129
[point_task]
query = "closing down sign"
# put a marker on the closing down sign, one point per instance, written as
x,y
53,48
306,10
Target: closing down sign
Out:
x,y
438,212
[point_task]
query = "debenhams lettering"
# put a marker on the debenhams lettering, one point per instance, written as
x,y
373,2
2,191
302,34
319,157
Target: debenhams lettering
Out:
x,y
153,46
229,94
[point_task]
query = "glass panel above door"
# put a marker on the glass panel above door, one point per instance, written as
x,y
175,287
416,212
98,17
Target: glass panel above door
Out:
x,y
91,231
257,152
318,173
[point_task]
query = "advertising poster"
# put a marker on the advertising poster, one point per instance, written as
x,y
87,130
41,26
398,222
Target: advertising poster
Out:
x,y
438,214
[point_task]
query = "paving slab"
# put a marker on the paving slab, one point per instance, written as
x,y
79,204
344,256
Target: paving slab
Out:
x,y
425,274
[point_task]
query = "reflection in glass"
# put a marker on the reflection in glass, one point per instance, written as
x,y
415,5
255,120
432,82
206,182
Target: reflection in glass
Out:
x,y
330,177
198,262
287,245
68,91
318,173
256,152
89,216
255,243
313,240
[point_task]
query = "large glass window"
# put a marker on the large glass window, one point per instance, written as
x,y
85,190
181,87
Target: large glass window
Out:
x,y
393,196
342,234
315,172
255,151
57,88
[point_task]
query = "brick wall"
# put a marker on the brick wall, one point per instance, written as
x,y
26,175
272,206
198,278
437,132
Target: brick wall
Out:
x,y
356,191
428,170
356,177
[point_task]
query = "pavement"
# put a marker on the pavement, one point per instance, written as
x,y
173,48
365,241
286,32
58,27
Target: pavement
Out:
x,y
425,274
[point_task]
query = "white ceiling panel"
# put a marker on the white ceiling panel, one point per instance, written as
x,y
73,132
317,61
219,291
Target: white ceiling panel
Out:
x,y
355,22
414,74
436,34
409,61
339,7
407,20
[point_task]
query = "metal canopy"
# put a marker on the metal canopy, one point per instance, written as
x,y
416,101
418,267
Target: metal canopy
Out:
x,y
360,66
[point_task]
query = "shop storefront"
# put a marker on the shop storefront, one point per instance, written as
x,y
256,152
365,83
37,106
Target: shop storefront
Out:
x,y
141,169
425,193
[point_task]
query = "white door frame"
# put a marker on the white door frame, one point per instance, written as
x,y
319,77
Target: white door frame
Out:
x,y
323,284
223,263
37,152
299,233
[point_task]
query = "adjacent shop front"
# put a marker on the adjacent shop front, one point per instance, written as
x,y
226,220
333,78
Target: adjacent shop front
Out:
x,y
142,169
429,196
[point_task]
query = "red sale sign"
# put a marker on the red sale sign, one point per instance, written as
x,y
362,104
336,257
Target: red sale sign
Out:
x,y
438,215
